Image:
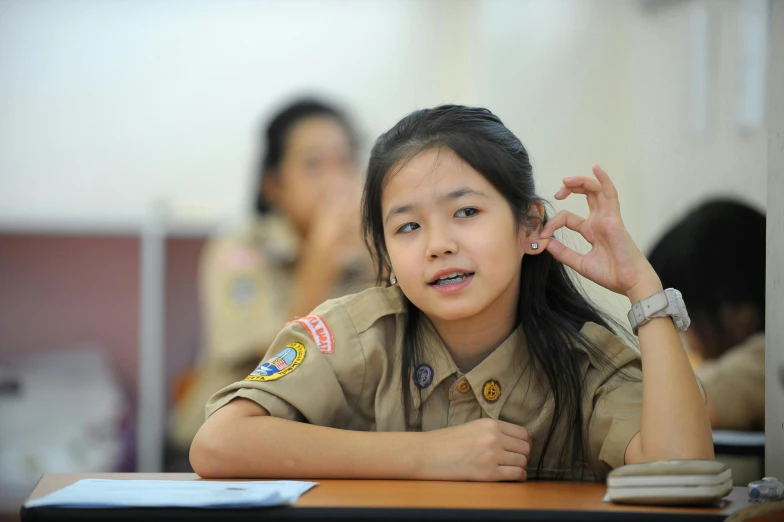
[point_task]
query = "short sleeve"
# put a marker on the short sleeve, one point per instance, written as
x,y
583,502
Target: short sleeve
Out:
x,y
735,385
615,388
241,309
315,372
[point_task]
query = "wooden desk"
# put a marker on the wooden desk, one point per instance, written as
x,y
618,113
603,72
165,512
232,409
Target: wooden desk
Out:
x,y
401,500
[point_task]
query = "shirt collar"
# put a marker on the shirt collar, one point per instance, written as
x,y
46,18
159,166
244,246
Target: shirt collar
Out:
x,y
493,379
497,374
437,363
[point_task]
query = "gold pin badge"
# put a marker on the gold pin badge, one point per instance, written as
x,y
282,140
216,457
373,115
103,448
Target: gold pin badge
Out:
x,y
491,391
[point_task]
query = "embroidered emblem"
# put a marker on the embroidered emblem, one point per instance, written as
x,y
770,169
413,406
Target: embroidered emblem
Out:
x,y
282,364
243,289
319,332
491,391
423,376
245,295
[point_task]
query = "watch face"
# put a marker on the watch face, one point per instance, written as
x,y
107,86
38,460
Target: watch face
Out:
x,y
680,316
680,324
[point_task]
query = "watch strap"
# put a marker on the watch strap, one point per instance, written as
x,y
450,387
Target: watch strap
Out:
x,y
643,311
668,302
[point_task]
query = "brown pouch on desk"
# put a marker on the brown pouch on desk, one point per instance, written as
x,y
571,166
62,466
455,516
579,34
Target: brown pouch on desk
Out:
x,y
670,482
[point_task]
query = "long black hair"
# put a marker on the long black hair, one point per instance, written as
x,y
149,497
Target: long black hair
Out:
x,y
550,309
715,255
276,134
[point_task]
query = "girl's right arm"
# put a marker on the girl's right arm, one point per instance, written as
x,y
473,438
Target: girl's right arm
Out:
x,y
241,440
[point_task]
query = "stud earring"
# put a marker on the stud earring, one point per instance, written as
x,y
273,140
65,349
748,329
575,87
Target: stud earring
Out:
x,y
393,280
534,246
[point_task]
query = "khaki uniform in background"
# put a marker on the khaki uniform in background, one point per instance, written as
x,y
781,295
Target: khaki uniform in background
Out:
x,y
244,286
352,381
735,383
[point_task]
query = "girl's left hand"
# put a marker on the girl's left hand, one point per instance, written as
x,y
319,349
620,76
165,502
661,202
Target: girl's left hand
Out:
x,y
614,262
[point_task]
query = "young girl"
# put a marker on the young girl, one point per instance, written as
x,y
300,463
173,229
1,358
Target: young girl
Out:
x,y
481,360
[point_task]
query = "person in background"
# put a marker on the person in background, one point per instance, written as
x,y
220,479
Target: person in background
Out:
x,y
303,247
716,256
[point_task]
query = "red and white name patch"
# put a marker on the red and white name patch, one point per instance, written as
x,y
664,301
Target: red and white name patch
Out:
x,y
318,330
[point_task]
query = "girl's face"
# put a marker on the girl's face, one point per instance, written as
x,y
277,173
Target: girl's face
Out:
x,y
452,240
318,159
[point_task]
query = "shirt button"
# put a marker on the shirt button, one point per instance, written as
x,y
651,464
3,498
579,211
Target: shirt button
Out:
x,y
463,386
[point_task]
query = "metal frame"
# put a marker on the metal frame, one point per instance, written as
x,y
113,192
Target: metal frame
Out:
x,y
774,305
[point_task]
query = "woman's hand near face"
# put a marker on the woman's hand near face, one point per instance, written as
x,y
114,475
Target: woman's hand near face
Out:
x,y
614,260
334,235
332,244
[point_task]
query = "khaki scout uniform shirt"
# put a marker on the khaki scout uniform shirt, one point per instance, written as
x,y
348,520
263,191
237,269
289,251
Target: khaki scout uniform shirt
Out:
x,y
735,384
357,386
244,284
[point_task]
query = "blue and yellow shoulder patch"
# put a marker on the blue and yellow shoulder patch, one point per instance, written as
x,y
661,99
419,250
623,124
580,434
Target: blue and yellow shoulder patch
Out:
x,y
282,364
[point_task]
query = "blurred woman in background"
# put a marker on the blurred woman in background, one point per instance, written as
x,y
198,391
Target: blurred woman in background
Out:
x,y
716,256
303,247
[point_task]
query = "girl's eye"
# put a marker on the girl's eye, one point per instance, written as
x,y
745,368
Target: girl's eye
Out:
x,y
466,212
408,227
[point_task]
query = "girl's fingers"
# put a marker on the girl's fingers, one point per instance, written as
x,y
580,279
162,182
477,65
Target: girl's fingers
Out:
x,y
565,191
564,218
512,473
600,184
509,458
592,197
514,430
608,188
516,445
565,255
585,182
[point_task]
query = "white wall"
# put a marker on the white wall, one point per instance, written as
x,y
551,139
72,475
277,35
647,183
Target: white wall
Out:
x,y
673,165
108,105
612,83
550,70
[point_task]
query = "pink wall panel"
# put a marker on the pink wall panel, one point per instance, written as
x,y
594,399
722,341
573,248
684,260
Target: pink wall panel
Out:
x,y
59,291
183,328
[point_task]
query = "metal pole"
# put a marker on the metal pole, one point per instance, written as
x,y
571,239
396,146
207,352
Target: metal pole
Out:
x,y
774,327
151,391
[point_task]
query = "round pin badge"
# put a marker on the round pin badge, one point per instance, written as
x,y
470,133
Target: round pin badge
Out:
x,y
423,376
491,391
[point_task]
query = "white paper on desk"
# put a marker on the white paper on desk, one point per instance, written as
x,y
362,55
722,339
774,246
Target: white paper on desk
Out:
x,y
105,493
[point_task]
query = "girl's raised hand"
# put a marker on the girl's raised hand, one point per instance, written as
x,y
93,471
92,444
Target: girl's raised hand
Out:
x,y
614,260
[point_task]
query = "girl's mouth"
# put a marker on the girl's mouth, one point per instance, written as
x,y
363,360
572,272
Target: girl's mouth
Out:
x,y
451,279
452,283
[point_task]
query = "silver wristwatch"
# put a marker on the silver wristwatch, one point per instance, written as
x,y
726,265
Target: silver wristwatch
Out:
x,y
668,302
